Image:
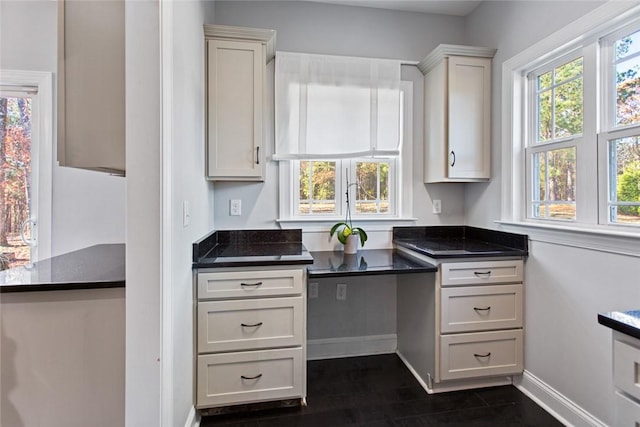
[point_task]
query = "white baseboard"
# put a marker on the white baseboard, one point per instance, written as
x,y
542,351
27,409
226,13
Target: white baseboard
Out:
x,y
193,419
333,348
554,402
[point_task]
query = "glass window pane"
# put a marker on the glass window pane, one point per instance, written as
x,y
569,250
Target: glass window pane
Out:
x,y
561,175
384,182
366,207
628,92
367,179
539,176
317,181
544,116
15,180
627,45
562,211
305,171
568,109
324,180
544,81
625,183
568,71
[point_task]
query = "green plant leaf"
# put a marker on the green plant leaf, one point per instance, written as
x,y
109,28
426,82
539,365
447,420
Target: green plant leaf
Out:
x,y
363,234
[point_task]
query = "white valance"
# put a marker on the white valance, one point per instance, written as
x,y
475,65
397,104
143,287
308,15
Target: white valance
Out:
x,y
336,107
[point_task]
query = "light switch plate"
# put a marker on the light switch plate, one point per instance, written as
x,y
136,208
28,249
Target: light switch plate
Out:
x,y
437,206
186,214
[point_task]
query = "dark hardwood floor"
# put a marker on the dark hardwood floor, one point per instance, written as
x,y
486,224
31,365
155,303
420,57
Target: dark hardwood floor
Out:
x,y
376,391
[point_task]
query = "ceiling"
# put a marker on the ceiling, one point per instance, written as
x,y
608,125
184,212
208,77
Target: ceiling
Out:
x,y
442,7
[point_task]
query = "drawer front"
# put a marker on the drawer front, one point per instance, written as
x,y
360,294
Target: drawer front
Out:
x,y
246,284
481,273
627,411
251,376
250,324
481,308
626,368
480,354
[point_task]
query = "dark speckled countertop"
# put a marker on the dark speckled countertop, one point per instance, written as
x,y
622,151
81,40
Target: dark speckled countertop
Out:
x,y
242,248
627,322
365,263
442,242
99,266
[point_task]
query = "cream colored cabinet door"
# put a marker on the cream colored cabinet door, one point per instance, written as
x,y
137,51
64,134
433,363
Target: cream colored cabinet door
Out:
x,y
457,108
235,86
91,85
469,117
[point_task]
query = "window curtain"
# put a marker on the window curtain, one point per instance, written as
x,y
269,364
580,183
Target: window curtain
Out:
x,y
336,107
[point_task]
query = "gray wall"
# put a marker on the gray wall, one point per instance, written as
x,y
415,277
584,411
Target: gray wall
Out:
x,y
565,286
87,207
187,184
343,30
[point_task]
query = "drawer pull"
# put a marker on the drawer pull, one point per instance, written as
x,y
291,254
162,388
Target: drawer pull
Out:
x,y
482,273
251,284
482,355
255,325
251,378
482,309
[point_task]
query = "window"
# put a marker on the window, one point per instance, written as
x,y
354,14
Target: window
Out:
x,y
581,131
342,126
25,166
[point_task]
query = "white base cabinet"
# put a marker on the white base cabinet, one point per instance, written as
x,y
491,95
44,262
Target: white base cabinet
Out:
x,y
626,379
467,331
250,335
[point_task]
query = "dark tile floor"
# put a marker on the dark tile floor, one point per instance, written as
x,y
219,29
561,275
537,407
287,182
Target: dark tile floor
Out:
x,y
377,391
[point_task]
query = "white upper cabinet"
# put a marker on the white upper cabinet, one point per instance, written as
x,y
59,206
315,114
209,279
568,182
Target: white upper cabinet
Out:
x,y
457,103
236,78
91,85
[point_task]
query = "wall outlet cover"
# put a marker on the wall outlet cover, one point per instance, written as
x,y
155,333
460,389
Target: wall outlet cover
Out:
x,y
341,291
313,290
235,207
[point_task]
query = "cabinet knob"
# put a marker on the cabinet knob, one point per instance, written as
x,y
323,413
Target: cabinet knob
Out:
x,y
257,155
482,309
253,325
482,355
482,273
250,284
452,157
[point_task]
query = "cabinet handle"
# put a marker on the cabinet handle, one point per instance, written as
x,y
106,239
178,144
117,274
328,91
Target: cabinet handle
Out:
x,y
255,325
251,378
453,158
482,355
482,309
482,273
251,284
257,155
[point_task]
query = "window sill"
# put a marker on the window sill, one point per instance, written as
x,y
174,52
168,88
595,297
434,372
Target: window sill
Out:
x,y
620,240
324,224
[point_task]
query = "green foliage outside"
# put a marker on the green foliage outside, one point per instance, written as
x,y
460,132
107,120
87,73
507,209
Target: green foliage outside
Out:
x,y
629,189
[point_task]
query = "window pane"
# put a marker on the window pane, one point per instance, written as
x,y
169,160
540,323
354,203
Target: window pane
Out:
x,y
15,180
372,191
317,187
568,109
628,45
553,184
367,179
544,116
544,81
568,71
624,180
628,92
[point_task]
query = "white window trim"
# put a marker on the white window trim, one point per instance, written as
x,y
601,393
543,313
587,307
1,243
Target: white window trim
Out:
x,y
609,238
404,164
42,157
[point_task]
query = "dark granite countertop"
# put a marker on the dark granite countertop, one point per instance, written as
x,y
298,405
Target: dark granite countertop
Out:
x,y
627,322
442,242
243,248
365,263
100,266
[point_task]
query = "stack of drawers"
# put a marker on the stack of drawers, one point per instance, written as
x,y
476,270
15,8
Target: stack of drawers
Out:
x,y
250,336
480,328
626,379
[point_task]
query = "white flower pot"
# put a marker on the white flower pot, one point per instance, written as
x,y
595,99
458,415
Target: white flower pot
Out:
x,y
351,247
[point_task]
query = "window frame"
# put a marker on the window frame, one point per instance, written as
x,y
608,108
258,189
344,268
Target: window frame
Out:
x,y
590,233
403,178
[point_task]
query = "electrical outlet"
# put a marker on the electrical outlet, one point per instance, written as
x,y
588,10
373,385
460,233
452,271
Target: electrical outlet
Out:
x,y
235,207
313,290
437,206
341,291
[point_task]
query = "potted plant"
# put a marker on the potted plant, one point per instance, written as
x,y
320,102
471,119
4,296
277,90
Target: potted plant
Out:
x,y
347,234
